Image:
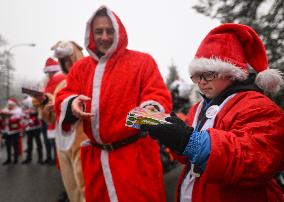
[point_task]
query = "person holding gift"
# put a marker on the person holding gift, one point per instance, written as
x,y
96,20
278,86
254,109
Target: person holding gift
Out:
x,y
231,141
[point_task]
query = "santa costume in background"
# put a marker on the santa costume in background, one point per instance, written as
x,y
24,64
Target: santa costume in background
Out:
x,y
32,129
52,68
240,132
116,83
13,127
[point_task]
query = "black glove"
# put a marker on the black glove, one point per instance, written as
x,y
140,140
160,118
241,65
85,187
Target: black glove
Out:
x,y
175,135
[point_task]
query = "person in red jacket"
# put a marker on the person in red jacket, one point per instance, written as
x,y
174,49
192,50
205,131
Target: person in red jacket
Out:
x,y
32,128
12,129
55,76
118,162
232,140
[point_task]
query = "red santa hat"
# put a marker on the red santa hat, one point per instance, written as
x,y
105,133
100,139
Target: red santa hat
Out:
x,y
51,66
12,101
231,49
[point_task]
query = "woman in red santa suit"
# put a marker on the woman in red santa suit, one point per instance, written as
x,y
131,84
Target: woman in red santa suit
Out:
x,y
119,163
12,130
232,140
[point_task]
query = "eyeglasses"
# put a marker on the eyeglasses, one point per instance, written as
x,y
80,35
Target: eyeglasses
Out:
x,y
207,76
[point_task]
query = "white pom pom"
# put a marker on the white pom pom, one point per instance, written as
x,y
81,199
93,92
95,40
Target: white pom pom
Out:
x,y
269,80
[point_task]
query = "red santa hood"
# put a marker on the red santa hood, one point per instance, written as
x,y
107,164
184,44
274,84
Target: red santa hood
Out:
x,y
120,36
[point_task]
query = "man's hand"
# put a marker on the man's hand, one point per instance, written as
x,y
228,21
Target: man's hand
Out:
x,y
78,107
175,135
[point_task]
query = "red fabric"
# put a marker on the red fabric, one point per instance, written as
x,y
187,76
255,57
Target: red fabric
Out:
x,y
51,126
53,82
14,121
51,86
129,79
246,151
31,119
132,173
14,124
50,62
236,44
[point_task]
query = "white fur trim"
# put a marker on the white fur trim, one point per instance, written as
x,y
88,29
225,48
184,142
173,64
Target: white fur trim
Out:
x,y
10,102
52,68
86,143
153,102
108,177
224,68
95,106
65,139
270,80
64,49
51,133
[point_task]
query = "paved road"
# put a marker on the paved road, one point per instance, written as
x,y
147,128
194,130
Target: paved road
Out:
x,y
29,183
42,183
171,179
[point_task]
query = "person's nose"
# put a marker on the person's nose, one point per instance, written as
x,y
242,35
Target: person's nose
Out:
x,y
105,35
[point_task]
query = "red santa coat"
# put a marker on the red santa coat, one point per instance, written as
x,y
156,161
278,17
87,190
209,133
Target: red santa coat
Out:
x,y
13,124
32,121
246,150
50,87
117,82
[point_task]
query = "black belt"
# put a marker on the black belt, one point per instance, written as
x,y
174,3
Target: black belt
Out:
x,y
116,145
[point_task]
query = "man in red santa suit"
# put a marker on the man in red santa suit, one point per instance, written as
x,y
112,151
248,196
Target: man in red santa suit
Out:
x,y
232,140
119,163
12,129
55,76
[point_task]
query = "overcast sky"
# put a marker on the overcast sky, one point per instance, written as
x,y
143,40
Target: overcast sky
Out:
x,y
169,30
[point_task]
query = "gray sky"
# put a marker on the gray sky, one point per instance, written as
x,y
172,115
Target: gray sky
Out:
x,y
169,30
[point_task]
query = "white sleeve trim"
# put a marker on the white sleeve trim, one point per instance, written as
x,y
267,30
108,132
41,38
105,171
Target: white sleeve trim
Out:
x,y
153,102
65,139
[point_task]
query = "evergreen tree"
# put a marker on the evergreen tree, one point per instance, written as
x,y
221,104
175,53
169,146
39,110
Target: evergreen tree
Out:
x,y
266,17
173,75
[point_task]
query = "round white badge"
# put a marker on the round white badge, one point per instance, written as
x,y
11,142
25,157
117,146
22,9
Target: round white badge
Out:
x,y
212,111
